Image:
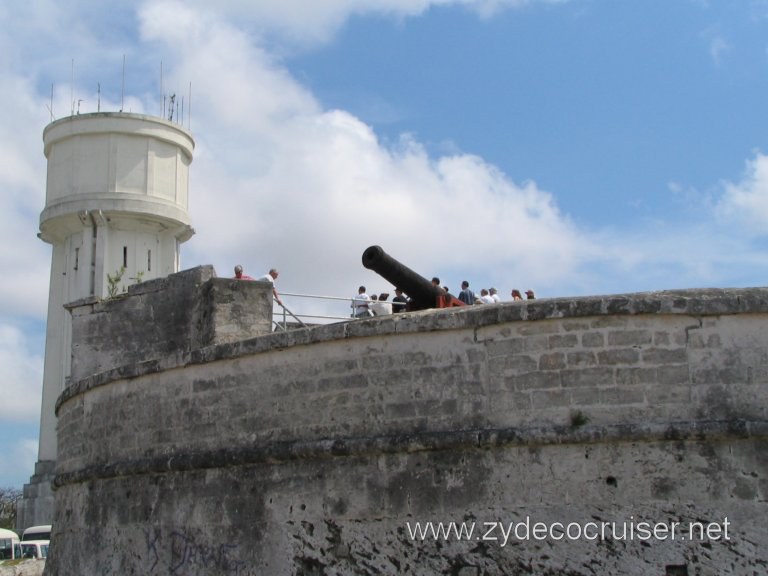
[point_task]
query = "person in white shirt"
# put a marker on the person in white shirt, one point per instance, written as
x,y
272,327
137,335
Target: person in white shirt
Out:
x,y
495,295
361,304
380,307
270,277
485,297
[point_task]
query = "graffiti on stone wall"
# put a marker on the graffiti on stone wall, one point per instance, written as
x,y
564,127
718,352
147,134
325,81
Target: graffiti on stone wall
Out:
x,y
182,552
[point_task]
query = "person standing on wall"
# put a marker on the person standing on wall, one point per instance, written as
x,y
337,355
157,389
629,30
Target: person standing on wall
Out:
x,y
239,273
466,295
399,302
485,297
361,304
270,277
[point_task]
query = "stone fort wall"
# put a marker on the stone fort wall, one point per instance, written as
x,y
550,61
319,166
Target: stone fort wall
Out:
x,y
317,451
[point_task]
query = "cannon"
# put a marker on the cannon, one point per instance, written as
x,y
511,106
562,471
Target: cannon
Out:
x,y
421,292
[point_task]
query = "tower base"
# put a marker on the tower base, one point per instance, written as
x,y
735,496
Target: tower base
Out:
x,y
36,505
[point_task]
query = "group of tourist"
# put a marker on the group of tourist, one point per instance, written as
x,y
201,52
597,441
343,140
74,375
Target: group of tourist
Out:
x,y
270,277
364,305
487,295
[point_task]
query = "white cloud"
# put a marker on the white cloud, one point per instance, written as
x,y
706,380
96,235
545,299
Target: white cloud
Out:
x,y
718,48
717,44
277,181
746,202
22,377
23,258
314,22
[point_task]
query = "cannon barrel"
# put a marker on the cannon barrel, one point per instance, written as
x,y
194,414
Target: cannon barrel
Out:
x,y
422,293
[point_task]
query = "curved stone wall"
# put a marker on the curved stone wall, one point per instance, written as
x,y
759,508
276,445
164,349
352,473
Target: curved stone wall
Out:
x,y
317,451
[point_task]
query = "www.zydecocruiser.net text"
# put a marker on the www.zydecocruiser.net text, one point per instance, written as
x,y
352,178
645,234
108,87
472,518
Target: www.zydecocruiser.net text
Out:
x,y
528,529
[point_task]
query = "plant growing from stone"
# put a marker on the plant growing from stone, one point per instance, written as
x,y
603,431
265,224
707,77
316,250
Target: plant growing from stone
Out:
x,y
113,280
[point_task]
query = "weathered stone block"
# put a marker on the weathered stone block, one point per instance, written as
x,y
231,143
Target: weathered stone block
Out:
x,y
541,399
665,356
563,341
553,361
619,356
589,377
629,338
592,339
581,358
505,347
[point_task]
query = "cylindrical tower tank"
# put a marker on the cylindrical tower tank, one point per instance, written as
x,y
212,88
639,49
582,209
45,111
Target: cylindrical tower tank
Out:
x,y
116,198
115,214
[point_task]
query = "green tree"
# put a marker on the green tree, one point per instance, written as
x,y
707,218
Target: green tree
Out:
x,y
8,499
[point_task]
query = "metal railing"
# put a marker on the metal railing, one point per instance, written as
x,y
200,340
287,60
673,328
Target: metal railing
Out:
x,y
281,313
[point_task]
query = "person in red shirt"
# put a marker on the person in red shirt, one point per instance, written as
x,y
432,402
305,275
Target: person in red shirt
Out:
x,y
239,273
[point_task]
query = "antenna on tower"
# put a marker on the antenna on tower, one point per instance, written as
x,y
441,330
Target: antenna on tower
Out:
x,y
98,97
189,105
50,108
122,88
72,89
162,96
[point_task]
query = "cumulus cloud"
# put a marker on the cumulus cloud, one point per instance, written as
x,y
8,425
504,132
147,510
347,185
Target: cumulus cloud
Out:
x,y
22,376
718,49
278,181
746,201
315,22
718,44
23,258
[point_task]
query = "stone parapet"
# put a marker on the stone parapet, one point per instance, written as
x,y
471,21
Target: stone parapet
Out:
x,y
165,318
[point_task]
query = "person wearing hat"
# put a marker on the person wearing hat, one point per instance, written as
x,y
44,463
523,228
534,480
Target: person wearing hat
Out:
x,y
530,295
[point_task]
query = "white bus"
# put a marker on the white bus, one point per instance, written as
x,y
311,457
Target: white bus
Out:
x,y
10,549
37,533
37,549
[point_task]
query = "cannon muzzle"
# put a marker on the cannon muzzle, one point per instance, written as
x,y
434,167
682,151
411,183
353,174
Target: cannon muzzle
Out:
x,y
421,292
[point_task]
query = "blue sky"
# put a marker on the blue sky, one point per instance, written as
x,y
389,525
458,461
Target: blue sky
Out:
x,y
573,147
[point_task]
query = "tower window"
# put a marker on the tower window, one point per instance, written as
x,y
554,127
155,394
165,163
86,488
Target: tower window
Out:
x,y
77,258
125,256
149,260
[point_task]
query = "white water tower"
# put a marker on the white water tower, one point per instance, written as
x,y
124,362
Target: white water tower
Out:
x,y
116,212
